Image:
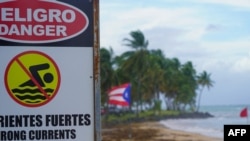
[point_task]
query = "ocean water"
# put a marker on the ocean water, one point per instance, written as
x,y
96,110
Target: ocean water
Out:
x,y
213,127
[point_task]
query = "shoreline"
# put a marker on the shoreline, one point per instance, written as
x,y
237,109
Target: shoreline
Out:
x,y
150,131
192,136
192,115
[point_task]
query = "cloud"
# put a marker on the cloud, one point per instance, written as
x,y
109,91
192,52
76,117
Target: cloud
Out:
x,y
116,25
242,65
233,3
213,27
178,31
231,55
212,34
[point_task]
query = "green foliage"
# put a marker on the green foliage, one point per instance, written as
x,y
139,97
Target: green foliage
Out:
x,y
151,74
129,117
157,107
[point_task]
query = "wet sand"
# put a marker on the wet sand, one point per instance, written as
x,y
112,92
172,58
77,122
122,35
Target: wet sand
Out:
x,y
150,131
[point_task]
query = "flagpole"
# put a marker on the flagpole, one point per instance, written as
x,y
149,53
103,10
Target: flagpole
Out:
x,y
247,113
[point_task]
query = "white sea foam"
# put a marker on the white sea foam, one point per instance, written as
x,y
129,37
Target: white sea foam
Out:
x,y
193,126
213,127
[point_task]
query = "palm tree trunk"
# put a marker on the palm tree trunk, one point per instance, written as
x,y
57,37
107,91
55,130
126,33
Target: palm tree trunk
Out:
x,y
199,99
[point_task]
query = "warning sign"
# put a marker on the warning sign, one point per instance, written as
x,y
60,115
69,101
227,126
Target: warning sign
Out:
x,y
32,78
51,21
49,63
46,94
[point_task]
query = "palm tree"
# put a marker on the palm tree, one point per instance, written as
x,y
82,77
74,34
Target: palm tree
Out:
x,y
188,86
153,79
150,74
107,72
172,78
180,84
138,41
203,80
133,63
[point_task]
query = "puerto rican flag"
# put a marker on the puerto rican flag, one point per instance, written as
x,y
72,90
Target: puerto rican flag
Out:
x,y
120,95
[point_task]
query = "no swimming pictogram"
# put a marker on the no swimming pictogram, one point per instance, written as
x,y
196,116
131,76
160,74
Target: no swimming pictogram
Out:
x,y
32,78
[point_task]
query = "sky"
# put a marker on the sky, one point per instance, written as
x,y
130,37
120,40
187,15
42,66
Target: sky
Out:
x,y
213,34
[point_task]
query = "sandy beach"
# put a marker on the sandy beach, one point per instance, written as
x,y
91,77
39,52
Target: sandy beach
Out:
x,y
149,131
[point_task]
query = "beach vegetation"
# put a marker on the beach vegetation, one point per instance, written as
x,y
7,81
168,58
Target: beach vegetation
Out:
x,y
203,80
155,79
127,117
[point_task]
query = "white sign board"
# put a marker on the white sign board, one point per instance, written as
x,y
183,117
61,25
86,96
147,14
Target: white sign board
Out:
x,y
46,66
